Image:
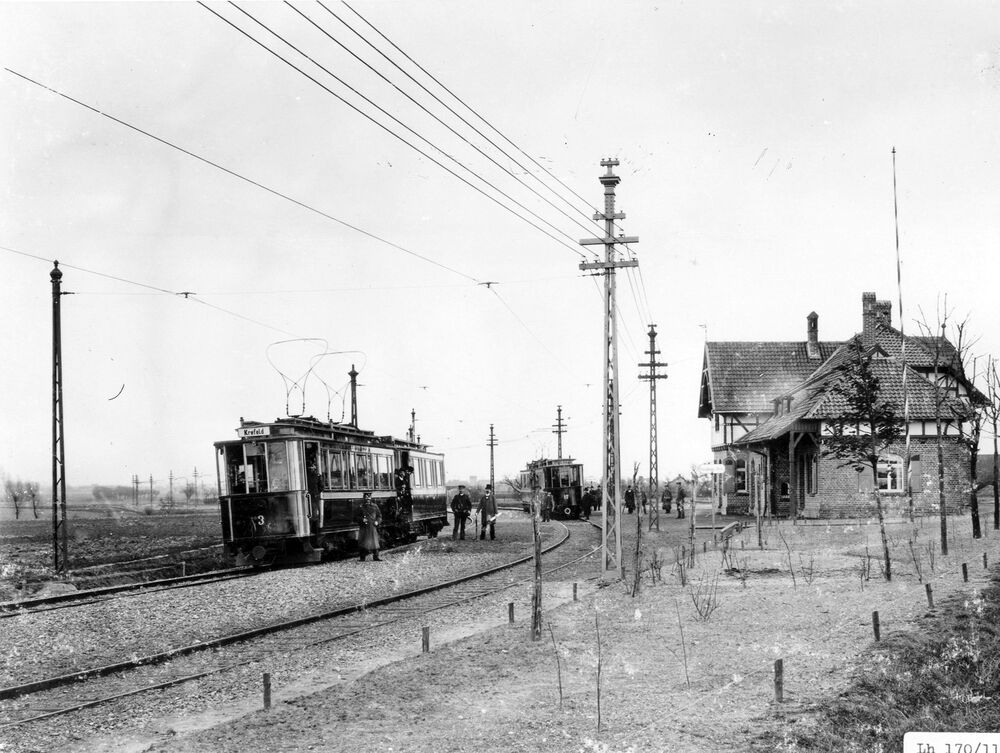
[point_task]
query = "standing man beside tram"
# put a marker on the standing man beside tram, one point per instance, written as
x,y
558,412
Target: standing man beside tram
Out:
x,y
461,506
487,510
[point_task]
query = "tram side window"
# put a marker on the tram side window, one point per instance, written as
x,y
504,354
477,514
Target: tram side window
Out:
x,y
277,466
337,473
383,468
364,464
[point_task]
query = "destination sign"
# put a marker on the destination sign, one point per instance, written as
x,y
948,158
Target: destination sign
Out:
x,y
253,431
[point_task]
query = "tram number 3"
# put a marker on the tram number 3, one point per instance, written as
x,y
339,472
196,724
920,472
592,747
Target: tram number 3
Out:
x,y
258,521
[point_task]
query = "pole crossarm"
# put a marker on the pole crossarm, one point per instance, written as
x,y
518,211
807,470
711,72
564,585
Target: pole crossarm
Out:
x,y
610,241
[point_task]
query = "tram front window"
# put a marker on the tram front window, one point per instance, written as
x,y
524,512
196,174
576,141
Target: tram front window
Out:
x,y
255,469
277,466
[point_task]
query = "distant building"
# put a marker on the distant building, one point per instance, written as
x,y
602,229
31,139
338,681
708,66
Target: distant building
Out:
x,y
770,404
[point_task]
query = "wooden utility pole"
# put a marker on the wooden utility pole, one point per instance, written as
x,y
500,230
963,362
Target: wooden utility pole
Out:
x,y
59,528
559,428
654,476
611,489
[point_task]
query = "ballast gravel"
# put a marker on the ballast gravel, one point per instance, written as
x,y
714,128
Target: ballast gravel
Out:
x,y
63,641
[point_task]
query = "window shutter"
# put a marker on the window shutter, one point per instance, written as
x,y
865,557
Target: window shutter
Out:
x,y
916,475
866,481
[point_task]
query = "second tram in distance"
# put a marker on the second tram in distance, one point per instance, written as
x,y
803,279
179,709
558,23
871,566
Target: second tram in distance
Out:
x,y
290,490
562,478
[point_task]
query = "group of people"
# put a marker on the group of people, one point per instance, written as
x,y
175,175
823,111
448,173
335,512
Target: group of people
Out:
x,y
666,500
461,507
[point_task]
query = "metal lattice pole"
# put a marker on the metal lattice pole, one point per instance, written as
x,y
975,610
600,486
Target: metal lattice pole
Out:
x,y
492,443
654,477
59,529
611,491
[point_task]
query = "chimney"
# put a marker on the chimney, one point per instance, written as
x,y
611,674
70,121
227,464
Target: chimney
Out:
x,y
812,335
868,319
873,312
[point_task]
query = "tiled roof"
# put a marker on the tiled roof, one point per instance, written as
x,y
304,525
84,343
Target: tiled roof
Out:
x,y
817,399
745,377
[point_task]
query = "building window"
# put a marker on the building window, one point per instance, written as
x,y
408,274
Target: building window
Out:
x,y
716,421
741,475
890,473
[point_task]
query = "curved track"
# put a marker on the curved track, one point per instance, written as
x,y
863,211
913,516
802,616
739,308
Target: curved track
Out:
x,y
79,690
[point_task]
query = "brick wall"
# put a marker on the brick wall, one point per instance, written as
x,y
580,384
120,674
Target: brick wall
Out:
x,y
838,495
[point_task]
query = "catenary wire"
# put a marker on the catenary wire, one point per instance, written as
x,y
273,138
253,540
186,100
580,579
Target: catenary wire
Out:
x,y
465,105
453,112
416,102
384,127
251,181
164,291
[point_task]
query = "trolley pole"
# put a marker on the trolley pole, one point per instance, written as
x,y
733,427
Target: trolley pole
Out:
x,y
559,428
491,444
611,489
59,528
654,477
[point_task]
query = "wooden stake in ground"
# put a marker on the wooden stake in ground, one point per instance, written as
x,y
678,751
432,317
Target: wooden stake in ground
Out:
x,y
536,606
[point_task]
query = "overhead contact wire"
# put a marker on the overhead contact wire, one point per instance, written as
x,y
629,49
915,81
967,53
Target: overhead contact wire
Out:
x,y
412,99
466,122
251,181
384,127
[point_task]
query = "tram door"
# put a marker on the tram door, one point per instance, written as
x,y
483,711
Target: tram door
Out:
x,y
314,483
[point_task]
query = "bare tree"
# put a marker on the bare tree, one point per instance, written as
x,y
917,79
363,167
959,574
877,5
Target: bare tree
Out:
x,y
971,428
948,372
15,492
189,491
993,413
940,396
866,428
31,490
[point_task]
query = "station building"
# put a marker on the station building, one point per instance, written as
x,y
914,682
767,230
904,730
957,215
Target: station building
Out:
x,y
772,403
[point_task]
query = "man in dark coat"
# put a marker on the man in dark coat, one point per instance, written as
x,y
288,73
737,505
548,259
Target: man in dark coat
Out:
x,y
487,511
369,518
547,506
630,500
667,498
587,503
681,495
461,506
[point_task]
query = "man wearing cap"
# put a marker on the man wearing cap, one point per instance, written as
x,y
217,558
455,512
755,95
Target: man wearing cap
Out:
x,y
369,518
461,506
487,510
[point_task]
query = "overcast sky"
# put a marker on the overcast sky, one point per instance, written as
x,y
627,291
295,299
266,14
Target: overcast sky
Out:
x,y
756,169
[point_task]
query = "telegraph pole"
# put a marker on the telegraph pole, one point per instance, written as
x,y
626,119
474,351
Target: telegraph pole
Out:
x,y
59,528
170,498
559,428
151,490
611,490
491,444
654,477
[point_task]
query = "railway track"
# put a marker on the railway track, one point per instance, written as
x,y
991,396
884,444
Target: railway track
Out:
x,y
63,694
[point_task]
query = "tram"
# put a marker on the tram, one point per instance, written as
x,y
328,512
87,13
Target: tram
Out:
x,y
290,490
562,478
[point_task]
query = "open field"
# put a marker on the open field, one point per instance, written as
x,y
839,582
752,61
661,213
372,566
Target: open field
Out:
x,y
711,689
100,534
